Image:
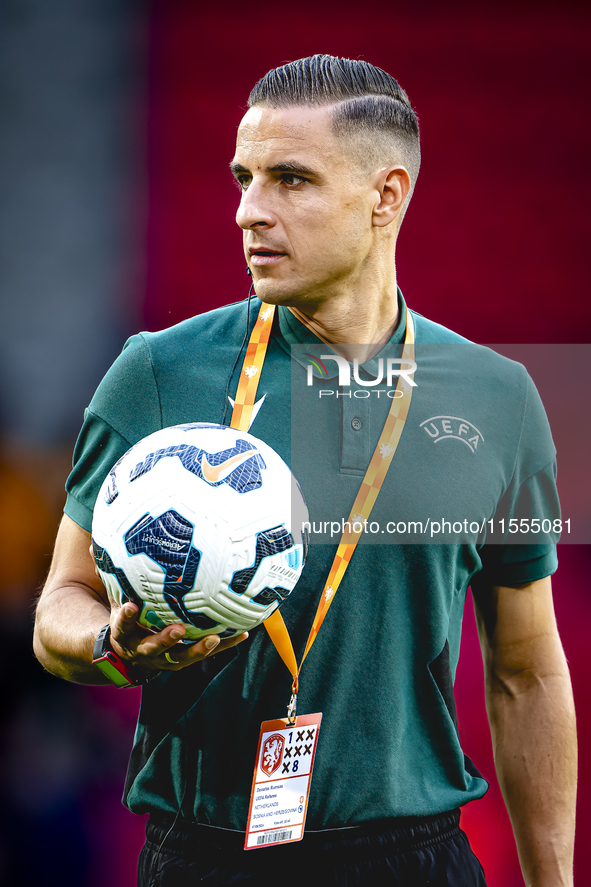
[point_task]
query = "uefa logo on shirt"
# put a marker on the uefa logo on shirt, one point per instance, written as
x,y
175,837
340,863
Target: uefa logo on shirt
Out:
x,y
452,428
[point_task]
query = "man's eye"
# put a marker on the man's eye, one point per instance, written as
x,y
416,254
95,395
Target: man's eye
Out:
x,y
291,179
242,182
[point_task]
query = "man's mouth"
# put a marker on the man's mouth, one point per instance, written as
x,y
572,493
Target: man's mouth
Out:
x,y
261,256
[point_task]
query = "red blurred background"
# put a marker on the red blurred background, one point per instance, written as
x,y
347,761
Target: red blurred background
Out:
x,y
494,246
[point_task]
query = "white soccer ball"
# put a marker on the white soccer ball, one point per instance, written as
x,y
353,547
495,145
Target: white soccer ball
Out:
x,y
202,525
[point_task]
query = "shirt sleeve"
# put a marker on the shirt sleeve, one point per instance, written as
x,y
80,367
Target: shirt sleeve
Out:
x,y
125,408
526,526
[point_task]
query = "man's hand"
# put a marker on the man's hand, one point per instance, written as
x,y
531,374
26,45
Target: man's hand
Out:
x,y
146,652
74,606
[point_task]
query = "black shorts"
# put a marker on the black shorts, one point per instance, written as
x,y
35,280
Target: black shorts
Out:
x,y
410,852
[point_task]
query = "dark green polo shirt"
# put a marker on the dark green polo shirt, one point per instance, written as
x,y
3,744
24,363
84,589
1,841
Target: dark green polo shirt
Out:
x,y
476,448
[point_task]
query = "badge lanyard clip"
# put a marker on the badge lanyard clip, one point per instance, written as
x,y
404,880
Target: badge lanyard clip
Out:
x,y
292,709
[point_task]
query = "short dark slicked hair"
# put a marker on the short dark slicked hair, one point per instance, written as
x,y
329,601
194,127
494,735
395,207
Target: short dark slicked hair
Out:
x,y
370,105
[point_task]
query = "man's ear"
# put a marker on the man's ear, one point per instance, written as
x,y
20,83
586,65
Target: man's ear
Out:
x,y
393,185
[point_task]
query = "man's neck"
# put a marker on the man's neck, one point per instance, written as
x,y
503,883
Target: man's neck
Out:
x,y
352,332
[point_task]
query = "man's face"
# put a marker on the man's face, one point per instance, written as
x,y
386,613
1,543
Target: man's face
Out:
x,y
306,207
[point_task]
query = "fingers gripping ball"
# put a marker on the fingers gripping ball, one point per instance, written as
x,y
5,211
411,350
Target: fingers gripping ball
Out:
x,y
201,525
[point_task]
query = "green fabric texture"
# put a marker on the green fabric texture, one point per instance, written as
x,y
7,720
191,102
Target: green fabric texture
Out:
x,y
382,667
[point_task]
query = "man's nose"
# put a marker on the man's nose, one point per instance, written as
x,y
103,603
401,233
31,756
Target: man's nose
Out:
x,y
255,209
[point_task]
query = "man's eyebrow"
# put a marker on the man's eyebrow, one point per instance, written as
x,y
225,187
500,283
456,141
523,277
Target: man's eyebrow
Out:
x,y
293,167
289,166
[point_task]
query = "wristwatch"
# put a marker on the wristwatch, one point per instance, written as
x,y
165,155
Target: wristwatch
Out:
x,y
109,663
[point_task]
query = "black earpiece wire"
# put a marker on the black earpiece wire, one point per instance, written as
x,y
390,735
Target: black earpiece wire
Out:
x,y
179,811
246,332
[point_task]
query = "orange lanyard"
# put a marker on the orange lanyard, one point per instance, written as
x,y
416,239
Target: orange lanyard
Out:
x,y
364,501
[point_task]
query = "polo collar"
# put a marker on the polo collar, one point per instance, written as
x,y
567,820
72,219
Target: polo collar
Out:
x,y
294,333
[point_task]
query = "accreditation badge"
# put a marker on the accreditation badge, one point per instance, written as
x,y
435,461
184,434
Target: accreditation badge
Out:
x,y
281,781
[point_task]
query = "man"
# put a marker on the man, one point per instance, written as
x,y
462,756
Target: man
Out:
x,y
326,159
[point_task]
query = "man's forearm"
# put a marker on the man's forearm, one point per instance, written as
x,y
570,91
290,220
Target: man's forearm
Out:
x,y
68,621
534,740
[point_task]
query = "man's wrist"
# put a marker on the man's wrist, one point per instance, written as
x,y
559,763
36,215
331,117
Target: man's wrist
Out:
x,y
110,664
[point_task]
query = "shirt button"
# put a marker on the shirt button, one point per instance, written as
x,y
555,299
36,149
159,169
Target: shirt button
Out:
x,y
356,424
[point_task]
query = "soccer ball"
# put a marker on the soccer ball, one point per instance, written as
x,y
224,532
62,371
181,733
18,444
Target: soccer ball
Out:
x,y
202,525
